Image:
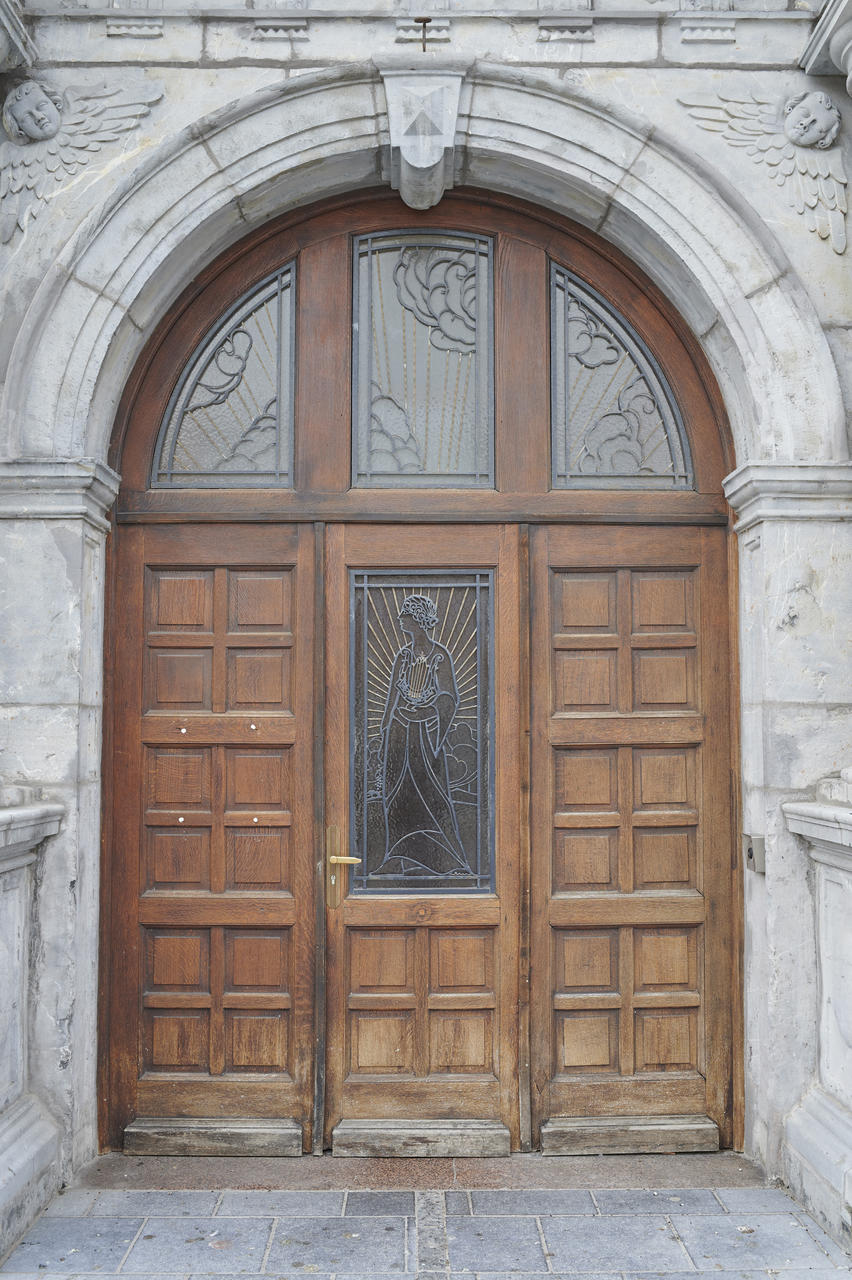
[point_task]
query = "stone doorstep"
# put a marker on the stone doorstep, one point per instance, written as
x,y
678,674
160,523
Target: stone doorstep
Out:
x,y
164,1136
410,1137
627,1135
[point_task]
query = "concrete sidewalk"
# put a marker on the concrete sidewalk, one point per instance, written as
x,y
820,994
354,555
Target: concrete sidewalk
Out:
x,y
625,1217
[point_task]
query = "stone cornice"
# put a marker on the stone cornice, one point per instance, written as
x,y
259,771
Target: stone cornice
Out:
x,y
57,489
22,829
789,491
829,49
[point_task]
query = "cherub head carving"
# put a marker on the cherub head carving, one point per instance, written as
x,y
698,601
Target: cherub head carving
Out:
x,y
32,113
811,119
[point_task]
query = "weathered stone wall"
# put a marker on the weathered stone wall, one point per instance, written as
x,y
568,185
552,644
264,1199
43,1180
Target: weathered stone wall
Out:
x,y
234,115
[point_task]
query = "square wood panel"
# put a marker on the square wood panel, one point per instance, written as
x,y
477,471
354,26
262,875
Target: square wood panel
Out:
x,y
666,959
461,960
177,858
257,960
585,960
663,601
177,960
178,680
178,778
664,858
461,1041
176,1040
257,1041
664,778
257,778
585,860
586,1043
260,600
257,858
381,1042
259,680
585,680
664,680
585,603
179,600
586,780
666,1040
381,961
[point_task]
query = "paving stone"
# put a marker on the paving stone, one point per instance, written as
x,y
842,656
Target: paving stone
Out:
x,y
688,1201
554,1275
755,1200
221,1245
770,1240
599,1244
361,1244
493,1243
533,1202
457,1202
812,1273
287,1204
73,1244
400,1203
160,1204
72,1203
836,1252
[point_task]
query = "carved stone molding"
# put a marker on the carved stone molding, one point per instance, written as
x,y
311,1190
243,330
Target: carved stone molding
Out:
x,y
16,47
422,113
51,489
760,491
829,49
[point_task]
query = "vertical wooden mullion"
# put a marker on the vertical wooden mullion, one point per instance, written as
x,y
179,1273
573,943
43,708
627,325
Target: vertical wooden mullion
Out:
x,y
524,838
220,639
522,422
625,821
625,652
217,988
421,1002
318,765
627,1054
218,826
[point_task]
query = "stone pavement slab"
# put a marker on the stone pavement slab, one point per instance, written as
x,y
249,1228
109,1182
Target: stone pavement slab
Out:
x,y
481,1243
281,1204
74,1245
763,1241
689,1201
603,1244
371,1244
217,1245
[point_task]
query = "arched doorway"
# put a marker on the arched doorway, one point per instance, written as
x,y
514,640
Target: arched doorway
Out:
x,y
420,560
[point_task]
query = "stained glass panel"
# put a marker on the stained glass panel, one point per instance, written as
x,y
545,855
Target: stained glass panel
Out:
x,y
421,731
229,421
422,393
615,421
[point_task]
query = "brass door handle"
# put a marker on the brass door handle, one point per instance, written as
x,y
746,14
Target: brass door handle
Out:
x,y
334,857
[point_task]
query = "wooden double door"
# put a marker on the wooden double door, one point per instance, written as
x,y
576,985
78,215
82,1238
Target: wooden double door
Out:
x,y
418,822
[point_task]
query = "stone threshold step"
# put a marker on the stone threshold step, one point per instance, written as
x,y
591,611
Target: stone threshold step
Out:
x,y
627,1135
412,1137
200,1136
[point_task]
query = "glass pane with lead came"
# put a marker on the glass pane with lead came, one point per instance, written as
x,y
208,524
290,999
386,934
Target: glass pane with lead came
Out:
x,y
421,731
422,358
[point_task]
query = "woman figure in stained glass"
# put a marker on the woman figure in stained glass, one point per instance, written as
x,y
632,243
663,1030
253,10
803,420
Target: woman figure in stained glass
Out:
x,y
421,827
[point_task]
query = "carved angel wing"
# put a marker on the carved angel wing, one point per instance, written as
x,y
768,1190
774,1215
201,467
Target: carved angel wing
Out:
x,y
32,173
814,181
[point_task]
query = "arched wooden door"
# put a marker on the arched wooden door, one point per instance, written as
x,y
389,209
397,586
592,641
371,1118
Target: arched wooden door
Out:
x,y
418,830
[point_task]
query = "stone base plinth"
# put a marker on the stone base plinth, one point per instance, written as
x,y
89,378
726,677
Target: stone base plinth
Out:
x,y
29,1167
409,1137
627,1135
818,1160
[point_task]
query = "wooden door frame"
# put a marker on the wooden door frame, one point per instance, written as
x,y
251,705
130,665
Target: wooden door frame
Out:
x,y
631,293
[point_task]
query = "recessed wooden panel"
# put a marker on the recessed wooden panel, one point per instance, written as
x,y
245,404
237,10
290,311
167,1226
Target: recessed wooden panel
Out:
x,y
381,1043
664,777
461,961
178,778
257,960
584,860
666,1040
461,1041
256,1041
179,600
586,1042
179,680
586,780
381,960
176,1040
665,958
585,603
585,959
584,681
177,858
664,858
259,600
256,779
663,602
664,679
257,858
177,959
259,679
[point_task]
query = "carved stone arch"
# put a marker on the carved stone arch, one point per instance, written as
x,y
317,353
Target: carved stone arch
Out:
x,y
211,183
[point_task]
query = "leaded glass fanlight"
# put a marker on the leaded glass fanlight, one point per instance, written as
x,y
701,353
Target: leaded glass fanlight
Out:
x,y
615,421
422,359
229,422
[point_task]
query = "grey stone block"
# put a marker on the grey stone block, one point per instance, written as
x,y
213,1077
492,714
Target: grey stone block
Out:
x,y
755,1200
278,1204
74,1244
412,1137
363,1244
457,1202
533,1202
776,1241
599,1244
148,1204
220,1245
688,1201
492,1244
400,1203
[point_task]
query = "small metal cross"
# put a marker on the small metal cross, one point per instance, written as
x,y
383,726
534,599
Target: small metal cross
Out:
x,y
424,22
